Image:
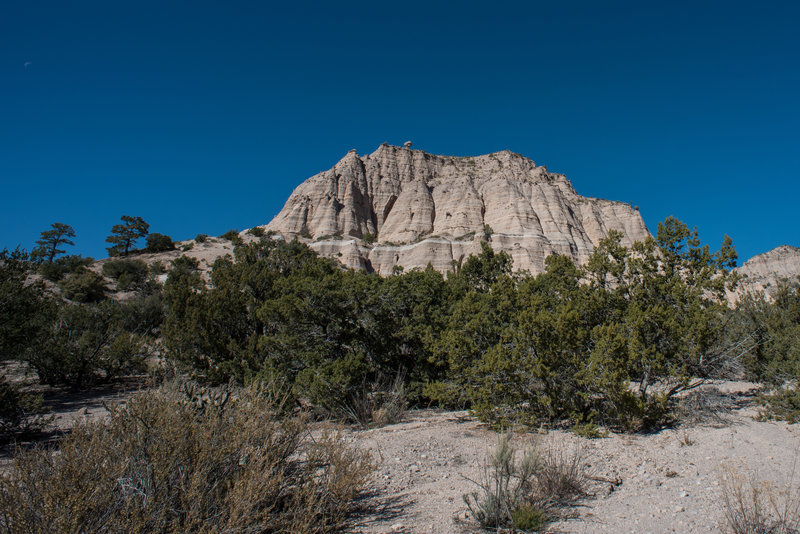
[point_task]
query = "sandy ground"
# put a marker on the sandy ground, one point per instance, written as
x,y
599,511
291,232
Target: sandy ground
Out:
x,y
668,481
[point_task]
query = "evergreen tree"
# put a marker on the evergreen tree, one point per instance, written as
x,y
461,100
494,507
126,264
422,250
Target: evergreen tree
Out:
x,y
47,246
22,305
123,236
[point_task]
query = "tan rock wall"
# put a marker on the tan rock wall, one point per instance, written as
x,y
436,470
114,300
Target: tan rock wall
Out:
x,y
427,209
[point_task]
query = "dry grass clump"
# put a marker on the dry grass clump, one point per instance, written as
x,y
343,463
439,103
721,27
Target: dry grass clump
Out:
x,y
704,406
380,404
526,494
758,507
181,460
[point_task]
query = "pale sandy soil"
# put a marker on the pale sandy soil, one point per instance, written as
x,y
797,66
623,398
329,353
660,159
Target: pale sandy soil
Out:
x,y
670,480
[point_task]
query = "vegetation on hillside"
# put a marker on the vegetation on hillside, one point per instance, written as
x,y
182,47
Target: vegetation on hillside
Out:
x,y
611,343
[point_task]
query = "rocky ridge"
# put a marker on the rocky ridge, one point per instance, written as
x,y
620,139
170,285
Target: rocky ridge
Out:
x,y
408,208
762,272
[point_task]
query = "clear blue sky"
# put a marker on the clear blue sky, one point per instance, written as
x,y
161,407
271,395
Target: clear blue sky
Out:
x,y
203,116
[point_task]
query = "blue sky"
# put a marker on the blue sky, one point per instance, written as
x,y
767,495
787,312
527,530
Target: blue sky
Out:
x,y
204,116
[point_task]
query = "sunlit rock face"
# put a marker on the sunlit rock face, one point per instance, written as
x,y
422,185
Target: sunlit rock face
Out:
x,y
764,271
405,207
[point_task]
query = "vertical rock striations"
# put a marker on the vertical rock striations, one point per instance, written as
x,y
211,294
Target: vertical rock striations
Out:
x,y
415,208
763,271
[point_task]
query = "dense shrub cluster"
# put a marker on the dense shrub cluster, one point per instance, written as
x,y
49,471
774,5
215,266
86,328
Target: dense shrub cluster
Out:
x,y
83,286
21,411
279,312
610,343
764,336
61,267
232,235
159,243
86,344
74,337
128,273
182,460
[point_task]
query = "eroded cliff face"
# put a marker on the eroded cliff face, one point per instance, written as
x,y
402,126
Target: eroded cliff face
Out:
x,y
404,207
762,272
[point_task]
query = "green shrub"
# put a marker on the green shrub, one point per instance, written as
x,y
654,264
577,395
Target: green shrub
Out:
x,y
529,518
184,264
186,247
328,237
21,412
143,314
448,395
63,266
23,305
783,404
129,274
179,459
487,229
83,286
232,235
159,243
84,344
369,238
589,431
256,231
567,344
201,238
156,268
767,333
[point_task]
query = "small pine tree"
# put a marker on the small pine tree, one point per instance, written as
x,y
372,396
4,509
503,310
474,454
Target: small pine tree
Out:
x,y
47,246
123,236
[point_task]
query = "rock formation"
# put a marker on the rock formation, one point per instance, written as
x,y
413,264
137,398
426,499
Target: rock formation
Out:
x,y
399,206
763,271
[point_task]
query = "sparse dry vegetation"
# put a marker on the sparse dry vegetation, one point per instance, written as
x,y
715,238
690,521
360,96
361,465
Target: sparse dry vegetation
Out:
x,y
180,459
754,506
525,494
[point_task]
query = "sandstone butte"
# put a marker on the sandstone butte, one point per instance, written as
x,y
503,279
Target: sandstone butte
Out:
x,y
405,207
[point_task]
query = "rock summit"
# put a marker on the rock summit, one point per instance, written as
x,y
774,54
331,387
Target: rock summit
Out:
x,y
404,207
